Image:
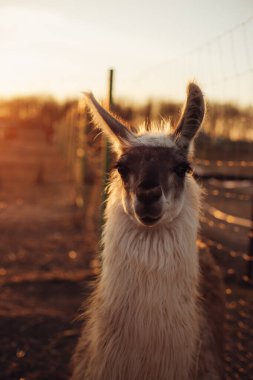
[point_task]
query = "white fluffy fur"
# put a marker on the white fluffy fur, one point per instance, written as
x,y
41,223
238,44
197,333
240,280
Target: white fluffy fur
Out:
x,y
145,322
155,139
157,136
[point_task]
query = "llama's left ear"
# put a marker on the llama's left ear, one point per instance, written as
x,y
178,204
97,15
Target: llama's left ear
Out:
x,y
119,135
191,117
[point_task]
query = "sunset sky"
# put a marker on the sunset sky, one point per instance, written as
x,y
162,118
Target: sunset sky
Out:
x,y
65,47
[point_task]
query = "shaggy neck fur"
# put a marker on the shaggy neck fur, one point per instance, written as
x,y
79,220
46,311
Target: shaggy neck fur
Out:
x,y
144,323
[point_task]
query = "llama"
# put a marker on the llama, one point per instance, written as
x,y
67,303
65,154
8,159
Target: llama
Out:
x,y
156,310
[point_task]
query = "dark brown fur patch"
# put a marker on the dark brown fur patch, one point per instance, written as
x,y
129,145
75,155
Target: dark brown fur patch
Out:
x,y
152,166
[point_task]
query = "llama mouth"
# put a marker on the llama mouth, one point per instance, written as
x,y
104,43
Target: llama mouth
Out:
x,y
149,221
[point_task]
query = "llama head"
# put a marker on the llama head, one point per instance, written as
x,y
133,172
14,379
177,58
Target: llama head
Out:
x,y
153,165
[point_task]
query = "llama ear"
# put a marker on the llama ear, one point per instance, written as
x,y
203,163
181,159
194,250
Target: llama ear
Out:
x,y
191,117
118,133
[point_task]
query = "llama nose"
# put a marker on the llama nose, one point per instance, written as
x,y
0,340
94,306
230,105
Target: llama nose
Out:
x,y
148,193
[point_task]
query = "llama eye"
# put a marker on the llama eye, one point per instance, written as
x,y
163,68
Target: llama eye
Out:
x,y
182,169
122,169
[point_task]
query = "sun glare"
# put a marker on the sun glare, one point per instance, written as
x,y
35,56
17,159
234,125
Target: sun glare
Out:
x,y
41,53
67,50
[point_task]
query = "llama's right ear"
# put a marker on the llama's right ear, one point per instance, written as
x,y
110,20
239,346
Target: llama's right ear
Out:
x,y
118,134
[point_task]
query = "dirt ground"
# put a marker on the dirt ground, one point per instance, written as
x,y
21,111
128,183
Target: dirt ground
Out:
x,y
47,260
44,259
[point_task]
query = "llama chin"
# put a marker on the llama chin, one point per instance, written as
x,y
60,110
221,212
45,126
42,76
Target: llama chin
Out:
x,y
152,314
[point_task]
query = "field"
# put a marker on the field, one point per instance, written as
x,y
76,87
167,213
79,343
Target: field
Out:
x,y
48,251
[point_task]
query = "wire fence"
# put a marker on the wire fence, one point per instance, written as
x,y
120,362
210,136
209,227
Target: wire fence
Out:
x,y
223,65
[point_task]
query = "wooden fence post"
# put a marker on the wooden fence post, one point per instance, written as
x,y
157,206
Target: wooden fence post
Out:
x,y
107,153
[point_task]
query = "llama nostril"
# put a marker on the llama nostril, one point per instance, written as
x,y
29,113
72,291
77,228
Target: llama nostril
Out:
x,y
149,195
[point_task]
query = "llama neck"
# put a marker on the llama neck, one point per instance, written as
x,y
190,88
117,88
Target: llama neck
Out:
x,y
149,283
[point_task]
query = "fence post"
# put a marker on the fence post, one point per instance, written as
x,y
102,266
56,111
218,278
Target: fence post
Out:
x,y
80,154
110,105
107,154
110,89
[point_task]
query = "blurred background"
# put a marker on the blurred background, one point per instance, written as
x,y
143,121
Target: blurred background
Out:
x,y
137,58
